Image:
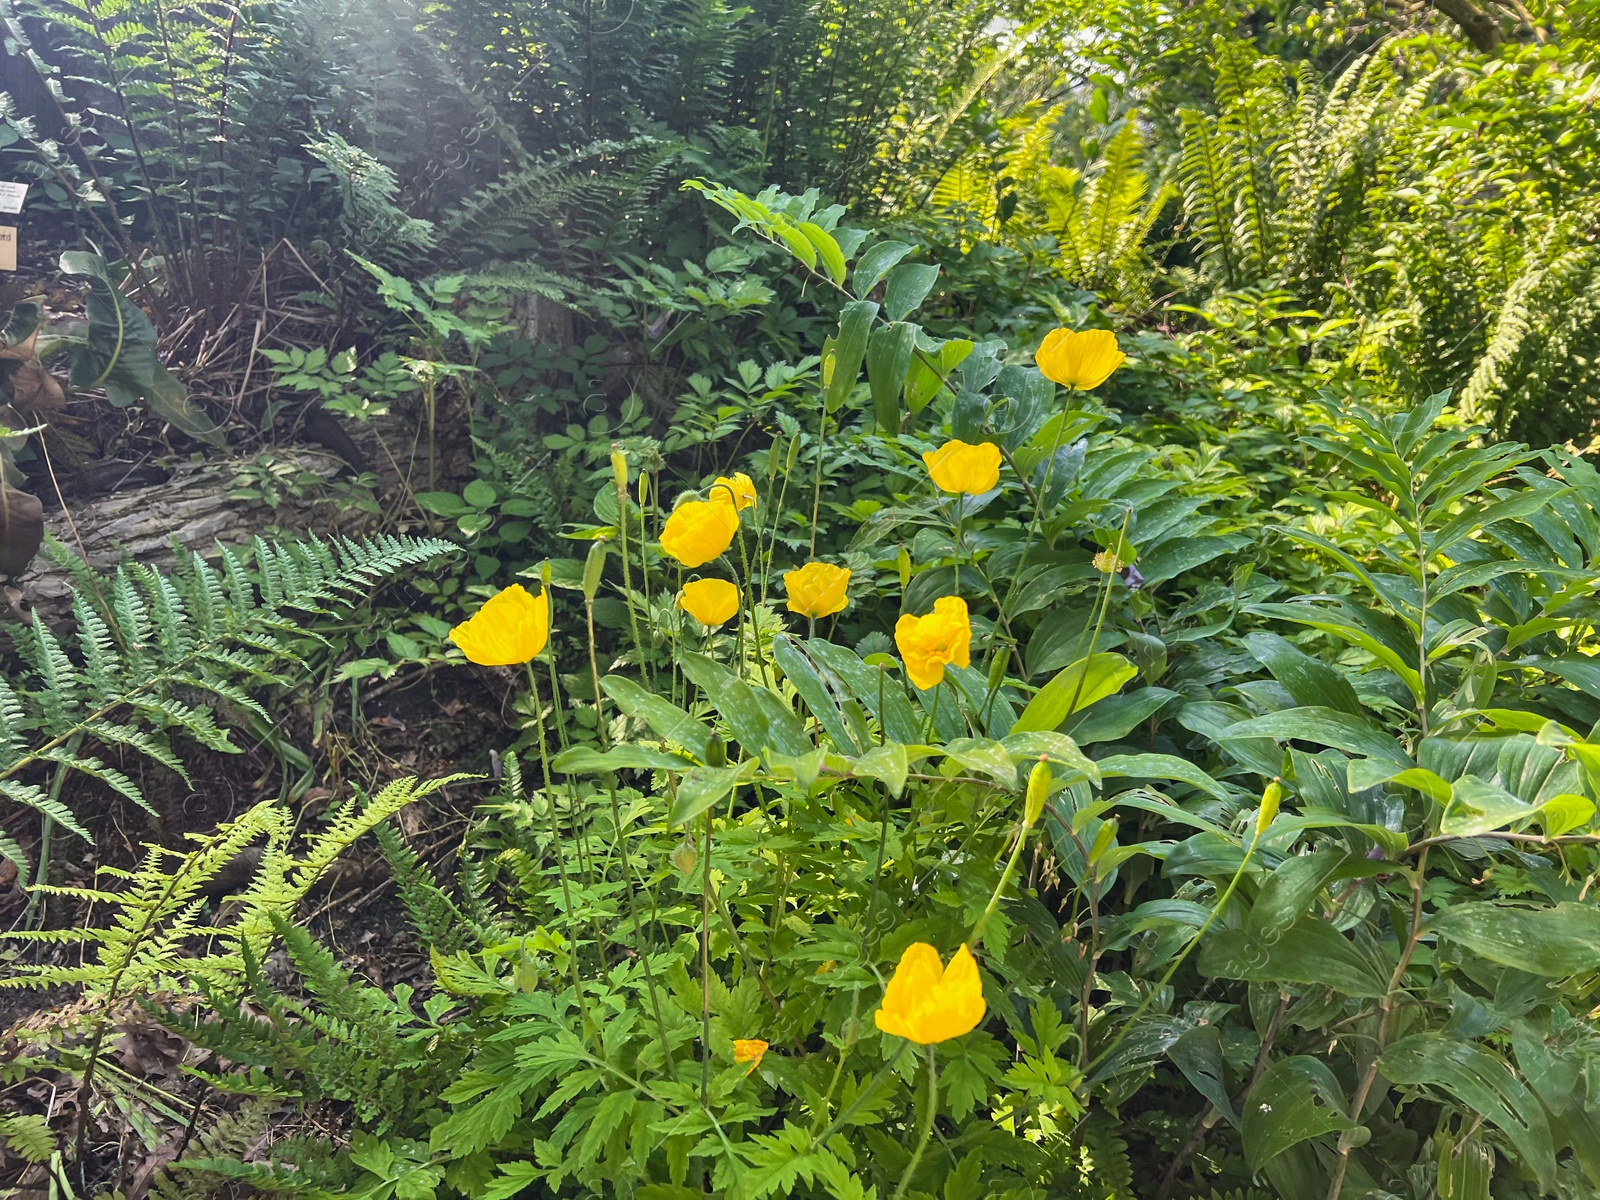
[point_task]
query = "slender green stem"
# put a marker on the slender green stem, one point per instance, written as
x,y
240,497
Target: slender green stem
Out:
x,y
1216,911
926,1123
623,519
555,846
642,949
816,491
47,828
705,967
1006,877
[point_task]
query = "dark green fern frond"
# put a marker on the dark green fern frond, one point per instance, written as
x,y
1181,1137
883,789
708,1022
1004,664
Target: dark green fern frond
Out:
x,y
164,658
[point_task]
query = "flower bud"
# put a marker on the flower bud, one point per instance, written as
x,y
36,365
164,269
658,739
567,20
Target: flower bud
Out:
x,y
593,566
1038,792
685,856
903,563
1270,799
793,456
619,470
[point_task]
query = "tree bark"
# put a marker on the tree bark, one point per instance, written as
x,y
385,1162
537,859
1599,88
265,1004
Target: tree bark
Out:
x,y
1482,28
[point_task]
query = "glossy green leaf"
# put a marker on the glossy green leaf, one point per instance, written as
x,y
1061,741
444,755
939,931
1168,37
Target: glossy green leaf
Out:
x,y
828,251
874,264
1073,689
1323,727
1477,807
1295,1099
586,760
1310,681
1482,1084
704,787
888,764
1310,951
668,720
813,691
849,348
889,351
1559,942
907,287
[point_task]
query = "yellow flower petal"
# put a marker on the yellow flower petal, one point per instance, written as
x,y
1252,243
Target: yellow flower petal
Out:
x,y
928,644
741,489
958,467
511,628
749,1050
699,531
817,589
709,601
1082,359
928,1002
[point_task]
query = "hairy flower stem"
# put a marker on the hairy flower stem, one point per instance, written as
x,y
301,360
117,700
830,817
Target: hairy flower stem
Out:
x,y
1006,877
705,968
926,1124
633,914
555,846
816,489
623,504
1172,969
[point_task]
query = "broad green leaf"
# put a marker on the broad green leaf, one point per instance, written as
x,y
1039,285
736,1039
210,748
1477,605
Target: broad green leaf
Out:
x,y
1198,1054
930,370
874,264
1329,621
1482,1084
1295,883
1028,747
888,764
1559,942
797,242
828,251
586,760
908,286
1161,766
1477,807
1117,716
1310,951
849,348
1323,727
1367,773
804,769
865,685
704,787
756,721
800,672
1295,1099
985,756
1564,813
888,359
668,720
1309,680
1073,689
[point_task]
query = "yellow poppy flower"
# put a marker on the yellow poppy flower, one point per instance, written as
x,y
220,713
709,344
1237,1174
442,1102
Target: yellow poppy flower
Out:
x,y
928,1002
511,628
817,589
958,467
709,601
700,530
741,489
1082,359
749,1050
928,643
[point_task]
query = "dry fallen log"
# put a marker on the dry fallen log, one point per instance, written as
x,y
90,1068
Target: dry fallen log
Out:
x,y
199,506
